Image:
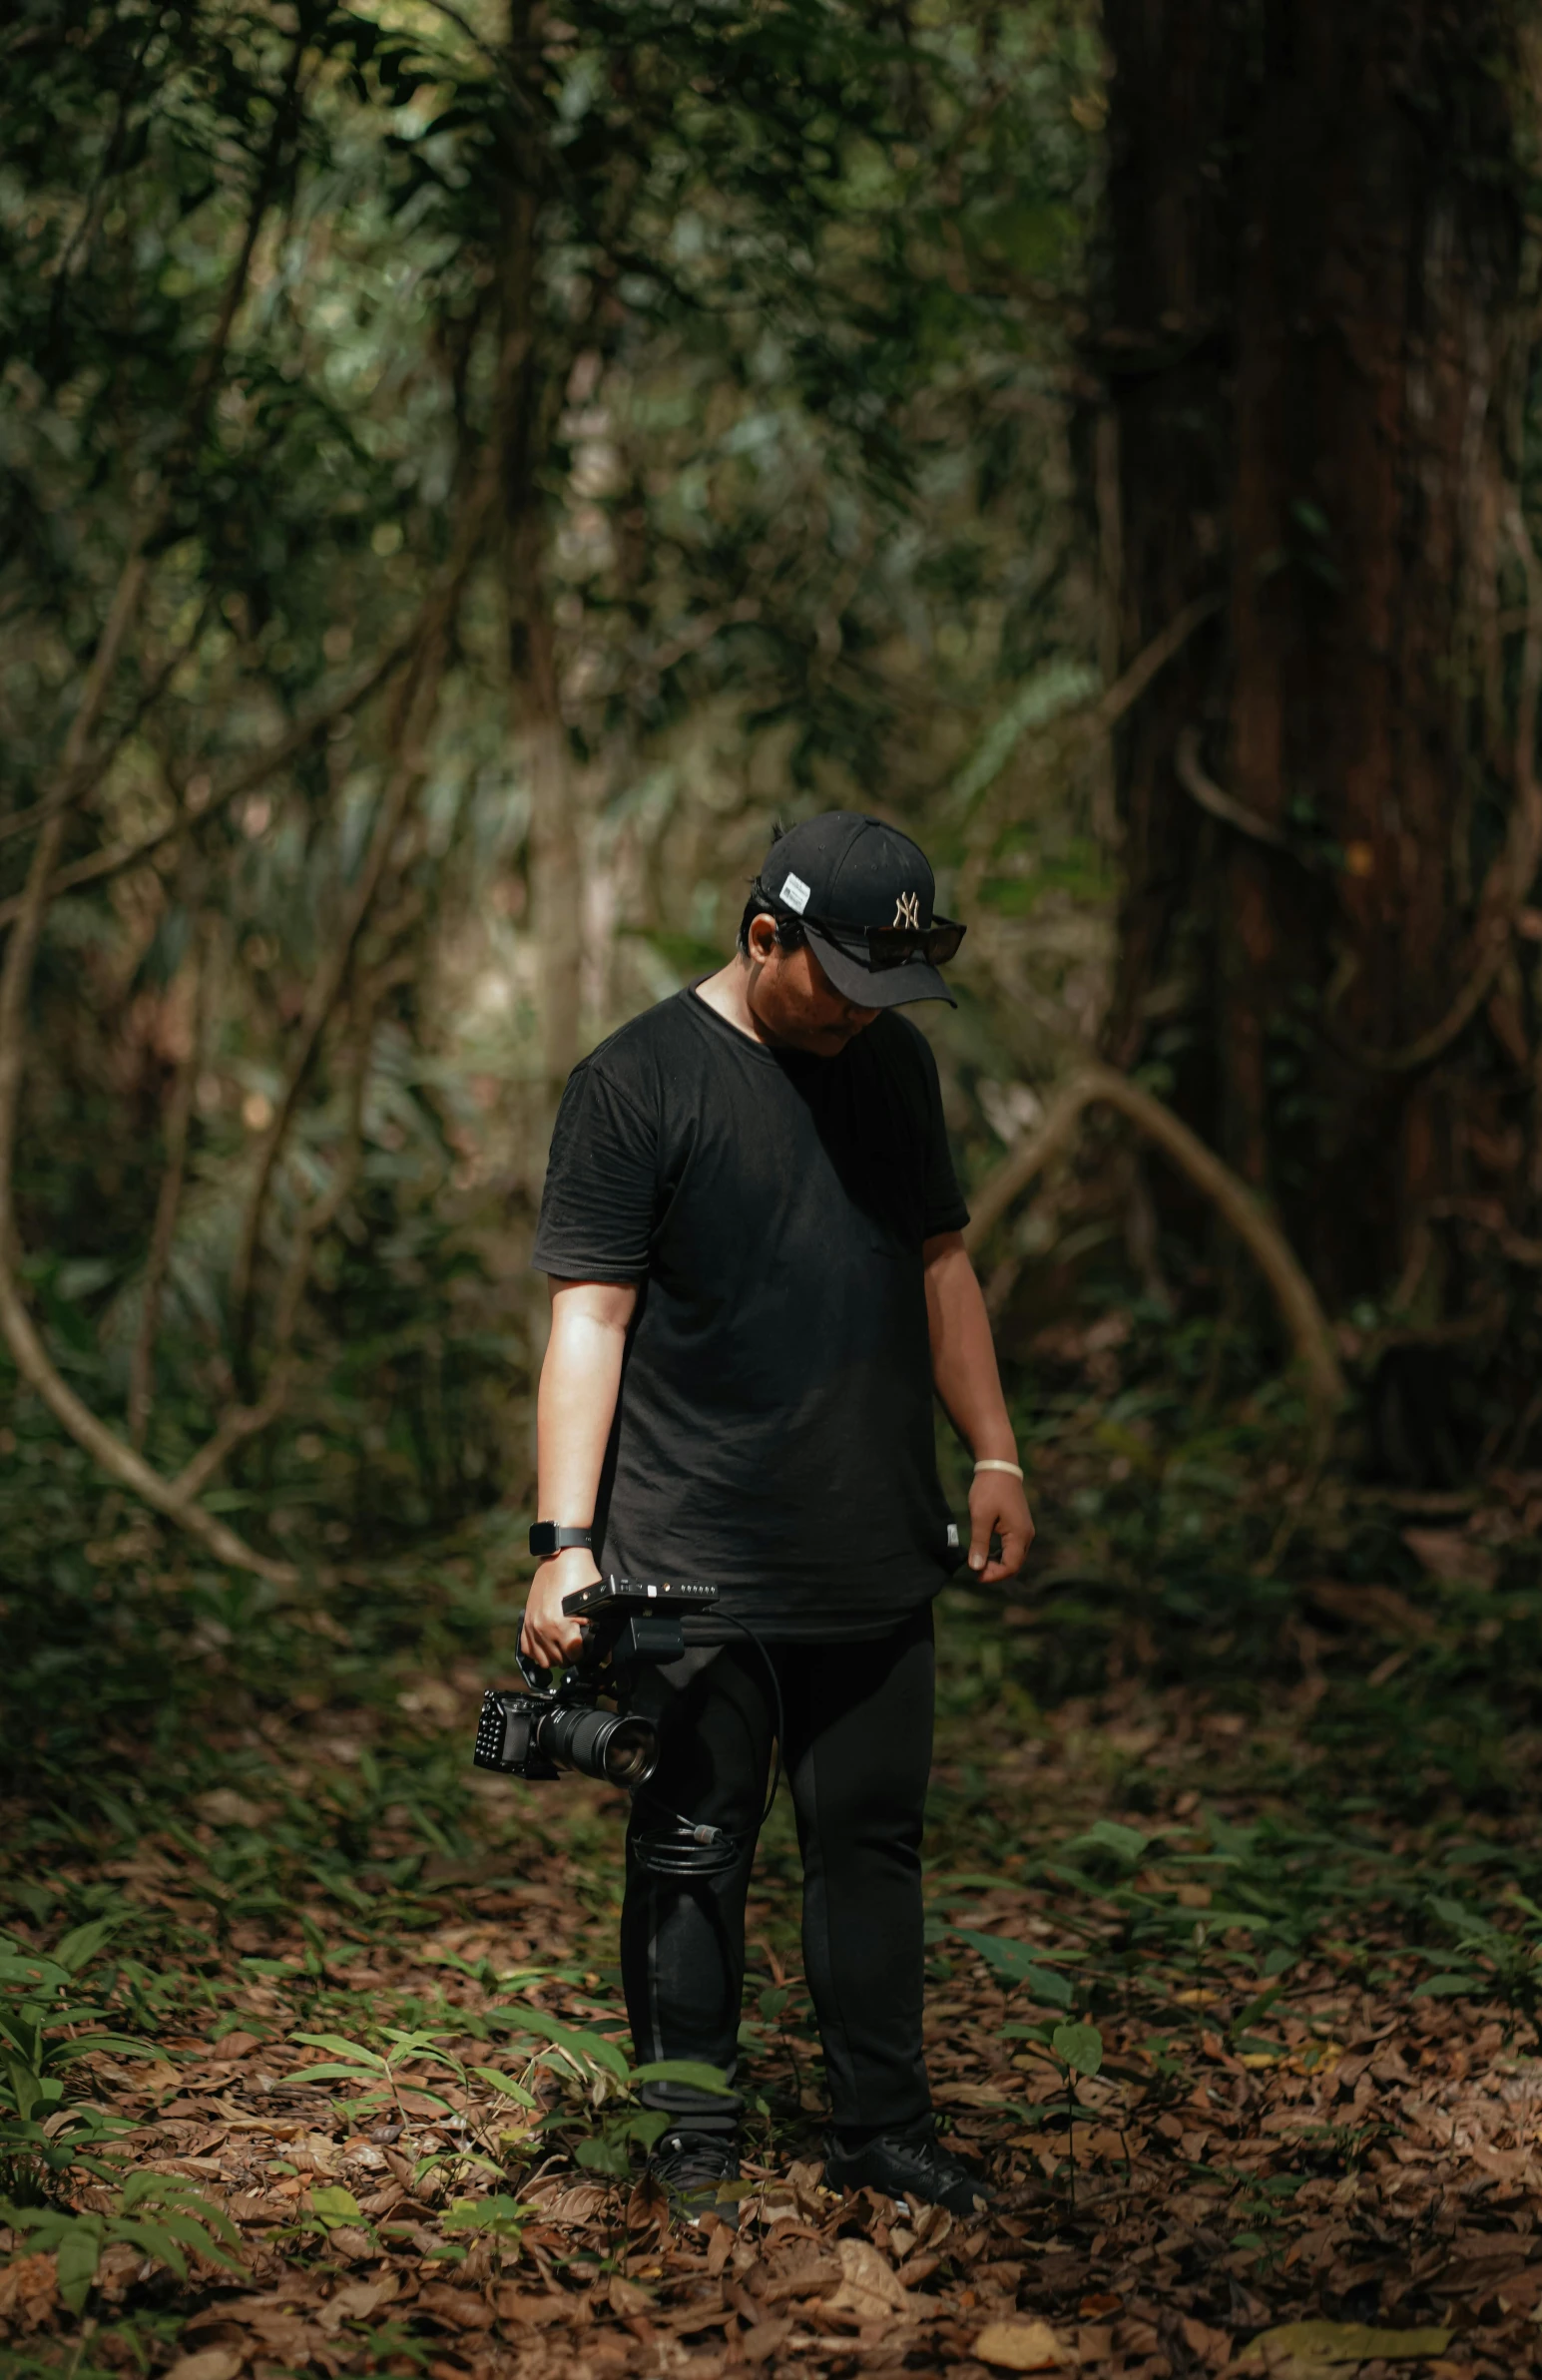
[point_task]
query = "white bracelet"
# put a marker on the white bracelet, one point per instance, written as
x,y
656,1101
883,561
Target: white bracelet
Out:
x,y
992,1463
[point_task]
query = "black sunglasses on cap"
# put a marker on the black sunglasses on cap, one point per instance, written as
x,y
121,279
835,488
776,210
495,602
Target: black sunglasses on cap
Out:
x,y
891,945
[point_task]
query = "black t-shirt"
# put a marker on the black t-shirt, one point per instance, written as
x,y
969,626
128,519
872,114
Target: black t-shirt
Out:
x,y
774,1431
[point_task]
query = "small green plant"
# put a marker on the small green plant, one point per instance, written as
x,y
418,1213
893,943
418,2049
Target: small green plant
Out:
x,y
499,2221
1075,2047
42,2134
1077,2050
593,2065
158,2213
1498,1962
1015,1963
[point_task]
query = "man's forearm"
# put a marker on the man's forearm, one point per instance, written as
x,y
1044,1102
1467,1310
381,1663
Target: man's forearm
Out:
x,y
963,1367
963,1355
574,1407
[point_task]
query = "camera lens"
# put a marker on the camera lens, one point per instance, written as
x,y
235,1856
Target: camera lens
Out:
x,y
630,1753
602,1744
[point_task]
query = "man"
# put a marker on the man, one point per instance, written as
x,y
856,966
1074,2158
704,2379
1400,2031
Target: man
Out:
x,y
753,1237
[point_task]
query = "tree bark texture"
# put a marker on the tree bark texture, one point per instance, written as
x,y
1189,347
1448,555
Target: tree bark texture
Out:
x,y
1312,336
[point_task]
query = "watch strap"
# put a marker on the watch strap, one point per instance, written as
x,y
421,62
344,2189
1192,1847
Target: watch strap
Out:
x,y
547,1539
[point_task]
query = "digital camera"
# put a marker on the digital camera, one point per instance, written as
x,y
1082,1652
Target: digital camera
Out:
x,y
540,1732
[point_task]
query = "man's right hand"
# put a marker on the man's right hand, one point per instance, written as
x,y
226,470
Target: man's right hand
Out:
x,y
551,1636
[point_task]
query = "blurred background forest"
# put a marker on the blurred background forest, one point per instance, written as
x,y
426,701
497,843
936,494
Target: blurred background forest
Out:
x,y
468,471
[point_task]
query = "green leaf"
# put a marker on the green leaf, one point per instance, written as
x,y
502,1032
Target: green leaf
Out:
x,y
1017,1962
379,2076
154,2239
1451,1987
1104,1834
80,1944
120,2044
346,2048
32,1968
78,2250
1465,1921
1080,2046
504,2082
501,2216
47,2224
601,2156
334,2205
682,2069
196,2237
585,2047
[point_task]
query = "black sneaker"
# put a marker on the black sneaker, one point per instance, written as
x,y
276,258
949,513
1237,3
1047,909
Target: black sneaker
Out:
x,y
912,2165
698,2172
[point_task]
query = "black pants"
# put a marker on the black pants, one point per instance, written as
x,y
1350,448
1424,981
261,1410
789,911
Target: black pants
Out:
x,y
857,1753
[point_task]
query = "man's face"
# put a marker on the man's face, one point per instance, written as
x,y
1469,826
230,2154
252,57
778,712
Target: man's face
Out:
x,y
792,999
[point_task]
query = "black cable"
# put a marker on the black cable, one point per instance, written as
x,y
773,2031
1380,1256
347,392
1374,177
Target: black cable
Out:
x,y
771,1672
697,1849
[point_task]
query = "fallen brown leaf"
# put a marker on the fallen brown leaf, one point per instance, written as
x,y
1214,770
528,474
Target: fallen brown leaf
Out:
x,y
28,2289
761,2343
521,2305
211,2363
1021,2347
1329,2343
459,2309
870,2287
358,2300
1447,1554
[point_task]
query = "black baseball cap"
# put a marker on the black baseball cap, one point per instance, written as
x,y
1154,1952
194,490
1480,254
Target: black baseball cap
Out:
x,y
865,894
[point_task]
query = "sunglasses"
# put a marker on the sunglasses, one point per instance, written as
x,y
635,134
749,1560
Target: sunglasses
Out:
x,y
893,945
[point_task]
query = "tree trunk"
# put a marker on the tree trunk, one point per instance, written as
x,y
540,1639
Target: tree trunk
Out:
x,y
1314,307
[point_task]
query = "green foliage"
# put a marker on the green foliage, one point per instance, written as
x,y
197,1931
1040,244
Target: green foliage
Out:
x,y
596,2108
161,2215
799,484
42,2133
1078,2047
1016,1963
498,2219
1502,1963
50,2147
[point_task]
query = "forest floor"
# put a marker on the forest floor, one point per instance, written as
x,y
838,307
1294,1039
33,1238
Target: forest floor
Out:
x,y
1257,1849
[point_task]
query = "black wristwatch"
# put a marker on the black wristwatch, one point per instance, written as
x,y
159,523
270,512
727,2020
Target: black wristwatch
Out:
x,y
547,1539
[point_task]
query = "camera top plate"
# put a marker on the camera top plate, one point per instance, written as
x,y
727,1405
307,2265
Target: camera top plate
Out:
x,y
619,1598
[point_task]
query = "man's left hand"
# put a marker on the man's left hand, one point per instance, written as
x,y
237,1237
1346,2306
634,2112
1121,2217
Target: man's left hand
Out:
x,y
998,1503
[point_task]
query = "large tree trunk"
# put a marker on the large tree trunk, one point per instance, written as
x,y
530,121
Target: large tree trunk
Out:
x,y
1313,304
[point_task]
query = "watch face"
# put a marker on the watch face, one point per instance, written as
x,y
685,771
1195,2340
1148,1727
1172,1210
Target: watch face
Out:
x,y
546,1537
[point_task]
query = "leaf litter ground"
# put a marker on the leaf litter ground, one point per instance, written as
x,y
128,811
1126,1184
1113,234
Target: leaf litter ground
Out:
x,y
377,2023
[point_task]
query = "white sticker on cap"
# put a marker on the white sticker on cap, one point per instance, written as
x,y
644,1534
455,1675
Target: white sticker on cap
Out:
x,y
796,893
953,1533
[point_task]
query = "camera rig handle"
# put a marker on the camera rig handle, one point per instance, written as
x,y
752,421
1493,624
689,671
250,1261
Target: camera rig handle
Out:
x,y
535,1678
628,1621
625,1621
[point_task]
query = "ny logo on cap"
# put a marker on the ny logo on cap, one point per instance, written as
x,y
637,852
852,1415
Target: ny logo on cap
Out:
x,y
907,911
